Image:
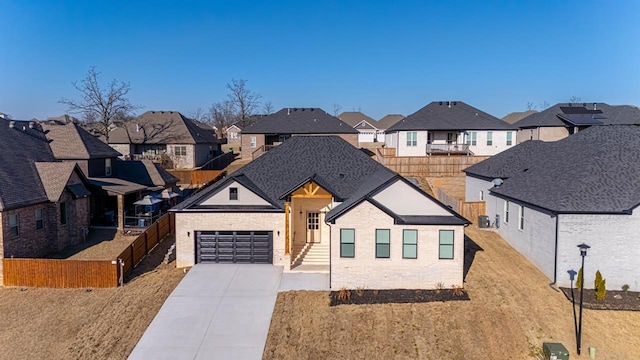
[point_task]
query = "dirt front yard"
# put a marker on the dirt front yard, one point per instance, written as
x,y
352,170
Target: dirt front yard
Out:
x,y
85,324
512,311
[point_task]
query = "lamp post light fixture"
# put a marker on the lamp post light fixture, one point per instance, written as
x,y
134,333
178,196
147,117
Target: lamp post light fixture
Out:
x,y
583,253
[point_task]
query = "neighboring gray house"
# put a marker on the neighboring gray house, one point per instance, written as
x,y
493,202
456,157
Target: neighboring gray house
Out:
x,y
449,127
564,119
166,137
545,198
317,203
366,126
271,130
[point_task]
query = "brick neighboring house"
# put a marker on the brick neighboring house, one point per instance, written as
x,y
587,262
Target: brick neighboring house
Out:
x,y
545,198
563,119
271,130
234,137
450,127
167,137
318,203
115,184
44,202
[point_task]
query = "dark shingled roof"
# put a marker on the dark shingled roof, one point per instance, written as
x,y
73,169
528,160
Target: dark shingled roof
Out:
x,y
449,115
299,121
161,127
596,170
607,114
145,172
339,168
71,142
20,148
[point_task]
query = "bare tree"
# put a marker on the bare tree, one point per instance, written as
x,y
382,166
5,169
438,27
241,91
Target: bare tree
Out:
x,y
100,105
575,99
336,109
222,115
267,108
530,106
198,115
544,105
244,101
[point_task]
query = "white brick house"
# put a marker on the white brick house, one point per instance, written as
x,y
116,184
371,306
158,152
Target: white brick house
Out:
x,y
450,127
317,203
554,196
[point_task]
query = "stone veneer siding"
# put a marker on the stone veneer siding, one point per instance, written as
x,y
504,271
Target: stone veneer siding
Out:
x,y
365,270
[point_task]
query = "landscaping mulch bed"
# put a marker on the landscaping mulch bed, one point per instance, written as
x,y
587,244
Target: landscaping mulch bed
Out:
x,y
615,300
398,296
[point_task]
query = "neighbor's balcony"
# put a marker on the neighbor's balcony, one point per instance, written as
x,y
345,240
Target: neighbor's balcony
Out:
x,y
452,148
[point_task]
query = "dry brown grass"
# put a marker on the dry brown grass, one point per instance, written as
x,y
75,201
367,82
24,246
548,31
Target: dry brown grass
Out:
x,y
81,324
511,313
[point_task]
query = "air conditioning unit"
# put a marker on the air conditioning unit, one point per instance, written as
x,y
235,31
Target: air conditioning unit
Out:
x,y
483,222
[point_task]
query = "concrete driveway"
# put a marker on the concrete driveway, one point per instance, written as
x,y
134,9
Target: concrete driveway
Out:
x,y
218,311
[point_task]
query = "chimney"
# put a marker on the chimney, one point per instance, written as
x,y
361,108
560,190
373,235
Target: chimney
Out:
x,y
595,106
449,104
12,124
288,111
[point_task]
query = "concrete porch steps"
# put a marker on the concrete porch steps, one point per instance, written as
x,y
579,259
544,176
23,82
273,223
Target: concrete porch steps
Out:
x,y
313,254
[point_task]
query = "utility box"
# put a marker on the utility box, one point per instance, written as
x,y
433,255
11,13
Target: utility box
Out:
x,y
554,351
483,222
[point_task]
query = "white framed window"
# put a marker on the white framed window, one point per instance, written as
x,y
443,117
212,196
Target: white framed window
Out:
x,y
252,142
409,244
472,138
233,135
180,150
412,138
107,167
347,243
39,219
509,138
489,138
506,212
521,218
445,250
14,225
383,244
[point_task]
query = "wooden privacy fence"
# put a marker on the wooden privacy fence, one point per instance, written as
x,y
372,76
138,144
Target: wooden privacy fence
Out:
x,y
197,177
470,210
57,273
428,165
143,244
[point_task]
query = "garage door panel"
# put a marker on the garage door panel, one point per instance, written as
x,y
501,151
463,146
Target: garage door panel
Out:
x,y
234,246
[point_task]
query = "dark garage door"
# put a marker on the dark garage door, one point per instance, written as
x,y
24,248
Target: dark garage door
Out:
x,y
234,246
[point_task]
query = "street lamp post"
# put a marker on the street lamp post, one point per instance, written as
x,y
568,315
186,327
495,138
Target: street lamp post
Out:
x,y
583,253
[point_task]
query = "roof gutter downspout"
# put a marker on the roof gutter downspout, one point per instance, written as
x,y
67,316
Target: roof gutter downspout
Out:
x,y
555,256
329,224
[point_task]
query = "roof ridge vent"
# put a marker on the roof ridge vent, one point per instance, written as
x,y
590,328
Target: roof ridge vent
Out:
x,y
288,111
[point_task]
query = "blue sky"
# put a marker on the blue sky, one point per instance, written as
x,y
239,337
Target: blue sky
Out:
x,y
379,57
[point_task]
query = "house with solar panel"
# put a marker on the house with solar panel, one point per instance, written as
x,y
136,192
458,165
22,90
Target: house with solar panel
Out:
x,y
563,119
449,128
317,203
546,198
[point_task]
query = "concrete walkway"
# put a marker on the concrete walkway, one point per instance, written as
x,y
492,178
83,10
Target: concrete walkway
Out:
x,y
220,311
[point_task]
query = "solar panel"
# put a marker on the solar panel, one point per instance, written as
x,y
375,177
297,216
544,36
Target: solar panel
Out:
x,y
578,110
582,119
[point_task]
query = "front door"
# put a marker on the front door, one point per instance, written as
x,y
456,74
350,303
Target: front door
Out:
x,y
313,227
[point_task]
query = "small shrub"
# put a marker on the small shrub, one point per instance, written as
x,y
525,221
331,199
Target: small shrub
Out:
x,y
360,290
600,287
579,280
376,292
458,291
343,295
439,286
625,288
